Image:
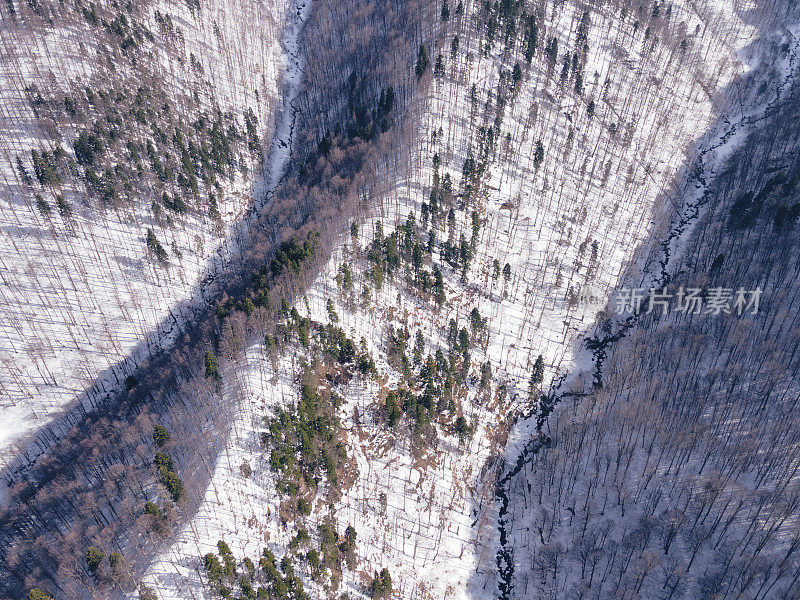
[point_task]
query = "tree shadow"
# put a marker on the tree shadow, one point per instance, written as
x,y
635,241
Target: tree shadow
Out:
x,y
746,103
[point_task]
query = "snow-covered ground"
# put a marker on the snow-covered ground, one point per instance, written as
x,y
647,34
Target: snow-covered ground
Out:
x,y
578,529
83,304
602,184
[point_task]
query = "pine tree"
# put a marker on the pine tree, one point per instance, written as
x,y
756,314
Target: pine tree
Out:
x,y
160,435
537,376
381,584
146,593
94,556
26,179
213,568
155,246
42,206
438,69
531,37
64,209
462,428
422,62
517,74
173,484
212,368
538,156
438,286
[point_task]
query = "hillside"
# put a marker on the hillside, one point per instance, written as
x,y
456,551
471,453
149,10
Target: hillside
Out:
x,y
358,351
129,153
676,477
422,501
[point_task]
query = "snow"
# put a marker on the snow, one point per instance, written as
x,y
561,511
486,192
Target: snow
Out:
x,y
438,528
83,305
439,525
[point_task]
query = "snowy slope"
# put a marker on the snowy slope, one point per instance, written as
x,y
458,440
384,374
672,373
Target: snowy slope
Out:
x,y
578,218
666,483
84,303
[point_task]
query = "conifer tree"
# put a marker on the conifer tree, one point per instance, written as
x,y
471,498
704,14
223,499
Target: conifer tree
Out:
x,y
537,376
422,62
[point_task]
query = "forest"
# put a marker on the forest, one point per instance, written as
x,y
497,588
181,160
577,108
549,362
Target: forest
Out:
x,y
293,300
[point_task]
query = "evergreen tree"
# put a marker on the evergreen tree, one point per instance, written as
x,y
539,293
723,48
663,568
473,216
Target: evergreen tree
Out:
x,y
551,51
94,556
531,37
438,286
212,368
213,567
381,585
155,246
26,179
438,69
538,156
147,593
151,508
348,546
462,428
537,376
454,47
422,62
86,147
64,209
517,74
392,410
42,206
45,167
160,435
486,374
